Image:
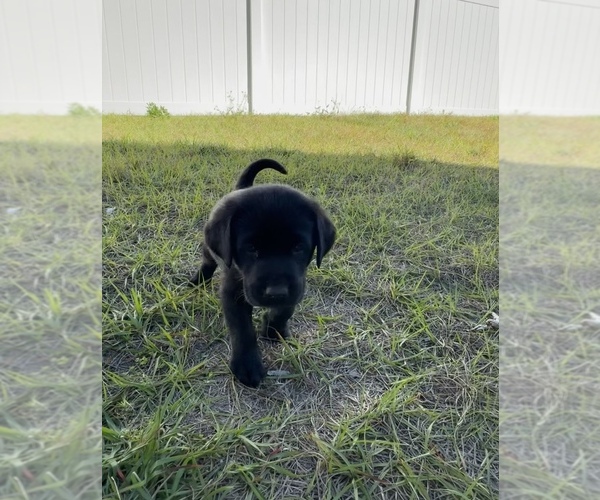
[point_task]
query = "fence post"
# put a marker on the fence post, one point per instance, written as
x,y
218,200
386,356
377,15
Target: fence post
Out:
x,y
411,66
249,53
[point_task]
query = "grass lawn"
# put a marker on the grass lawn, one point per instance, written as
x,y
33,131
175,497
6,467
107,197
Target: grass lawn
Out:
x,y
387,391
50,319
550,281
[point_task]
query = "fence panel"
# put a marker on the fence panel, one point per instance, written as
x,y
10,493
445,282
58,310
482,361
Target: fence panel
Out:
x,y
549,59
456,68
328,56
189,56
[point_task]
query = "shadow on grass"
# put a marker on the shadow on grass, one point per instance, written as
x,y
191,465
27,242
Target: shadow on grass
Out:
x,y
387,389
549,249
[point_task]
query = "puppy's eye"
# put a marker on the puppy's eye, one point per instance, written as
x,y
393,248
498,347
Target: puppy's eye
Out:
x,y
299,248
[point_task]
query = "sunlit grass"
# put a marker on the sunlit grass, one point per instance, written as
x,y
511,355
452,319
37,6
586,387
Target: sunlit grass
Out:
x,y
449,139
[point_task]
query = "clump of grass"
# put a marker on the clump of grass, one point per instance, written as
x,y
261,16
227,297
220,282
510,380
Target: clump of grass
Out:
x,y
76,109
384,390
155,111
234,106
406,160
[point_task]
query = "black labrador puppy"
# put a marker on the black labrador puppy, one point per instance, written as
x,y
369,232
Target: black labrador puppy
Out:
x,y
264,238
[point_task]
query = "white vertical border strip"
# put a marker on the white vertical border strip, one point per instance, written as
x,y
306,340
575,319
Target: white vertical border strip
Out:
x,y
50,55
549,62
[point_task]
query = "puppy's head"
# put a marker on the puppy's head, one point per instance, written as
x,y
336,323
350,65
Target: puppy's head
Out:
x,y
269,234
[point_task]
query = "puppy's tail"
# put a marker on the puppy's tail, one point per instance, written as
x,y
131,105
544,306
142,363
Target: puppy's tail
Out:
x,y
248,175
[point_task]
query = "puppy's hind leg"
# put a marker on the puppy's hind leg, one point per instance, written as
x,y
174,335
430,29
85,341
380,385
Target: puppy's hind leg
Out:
x,y
275,322
207,269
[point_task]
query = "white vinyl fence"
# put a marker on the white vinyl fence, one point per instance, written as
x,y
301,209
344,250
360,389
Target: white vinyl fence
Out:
x,y
301,56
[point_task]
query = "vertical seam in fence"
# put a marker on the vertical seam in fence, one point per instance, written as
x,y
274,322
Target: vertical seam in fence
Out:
x,y
411,65
249,54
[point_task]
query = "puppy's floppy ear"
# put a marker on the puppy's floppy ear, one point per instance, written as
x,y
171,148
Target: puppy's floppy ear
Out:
x,y
217,233
324,234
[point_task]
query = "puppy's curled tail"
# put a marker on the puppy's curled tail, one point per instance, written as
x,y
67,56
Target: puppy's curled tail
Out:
x,y
248,175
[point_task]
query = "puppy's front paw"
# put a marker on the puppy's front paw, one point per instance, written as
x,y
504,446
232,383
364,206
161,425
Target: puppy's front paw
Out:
x,y
248,368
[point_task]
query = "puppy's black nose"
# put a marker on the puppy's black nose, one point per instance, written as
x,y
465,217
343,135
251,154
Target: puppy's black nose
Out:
x,y
277,291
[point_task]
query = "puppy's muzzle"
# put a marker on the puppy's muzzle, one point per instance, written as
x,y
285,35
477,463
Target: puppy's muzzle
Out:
x,y
275,294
